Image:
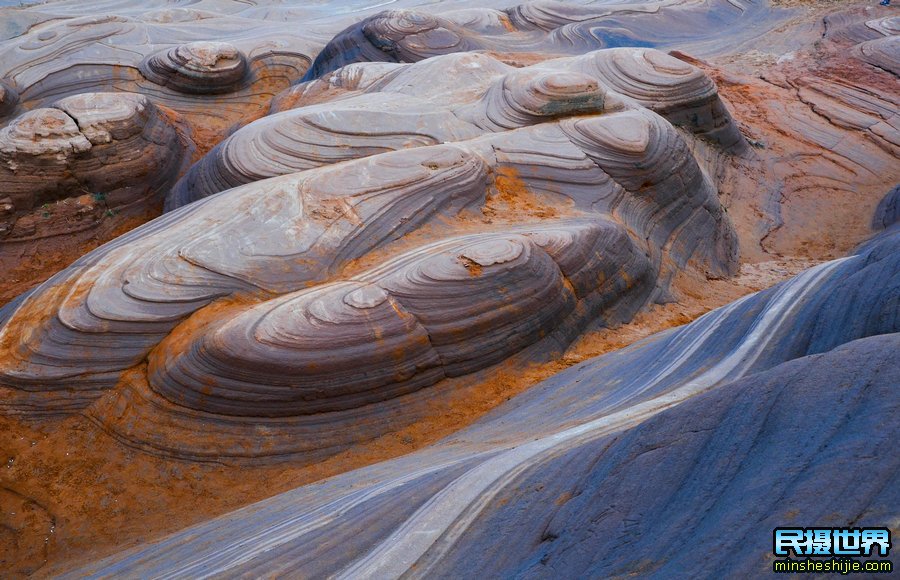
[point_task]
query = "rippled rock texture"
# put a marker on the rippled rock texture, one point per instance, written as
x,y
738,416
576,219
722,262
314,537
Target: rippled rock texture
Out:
x,y
453,98
725,423
347,254
542,26
580,221
366,214
197,73
215,67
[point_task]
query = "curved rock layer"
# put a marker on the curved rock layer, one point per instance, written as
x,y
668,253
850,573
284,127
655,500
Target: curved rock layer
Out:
x,y
178,54
218,65
319,135
411,214
874,41
198,68
87,156
727,422
402,35
680,92
288,233
402,110
210,67
323,369
434,313
216,70
394,36
883,53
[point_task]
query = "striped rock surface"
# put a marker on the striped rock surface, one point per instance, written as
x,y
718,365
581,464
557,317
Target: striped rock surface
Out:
x,y
588,216
724,423
115,148
452,98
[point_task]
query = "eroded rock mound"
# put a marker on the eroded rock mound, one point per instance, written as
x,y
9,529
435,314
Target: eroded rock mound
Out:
x,y
585,203
437,311
198,68
313,136
86,156
735,411
393,36
453,98
220,74
365,260
544,26
211,69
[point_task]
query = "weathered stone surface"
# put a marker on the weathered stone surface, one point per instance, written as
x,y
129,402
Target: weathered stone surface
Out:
x,y
436,311
96,152
453,98
586,202
375,250
394,36
404,35
216,69
737,436
883,53
198,67
313,136
729,422
287,233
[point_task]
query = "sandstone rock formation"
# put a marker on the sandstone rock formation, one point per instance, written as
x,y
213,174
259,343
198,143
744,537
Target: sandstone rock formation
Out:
x,y
270,245
403,35
247,246
692,431
198,68
403,110
114,148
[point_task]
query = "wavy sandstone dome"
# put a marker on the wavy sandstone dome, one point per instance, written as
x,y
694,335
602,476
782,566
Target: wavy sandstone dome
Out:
x,y
581,205
254,241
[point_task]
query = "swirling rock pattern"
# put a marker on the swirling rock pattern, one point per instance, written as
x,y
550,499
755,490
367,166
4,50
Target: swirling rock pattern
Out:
x,y
209,69
873,41
408,106
550,26
723,412
393,36
220,74
524,97
367,248
198,68
115,148
319,135
141,285
679,91
353,77
632,206
883,53
437,311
